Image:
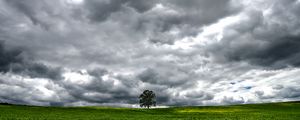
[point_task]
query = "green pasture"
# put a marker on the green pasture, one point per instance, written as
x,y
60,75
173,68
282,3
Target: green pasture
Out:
x,y
270,111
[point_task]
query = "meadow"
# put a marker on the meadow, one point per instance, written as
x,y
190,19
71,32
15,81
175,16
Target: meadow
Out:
x,y
269,111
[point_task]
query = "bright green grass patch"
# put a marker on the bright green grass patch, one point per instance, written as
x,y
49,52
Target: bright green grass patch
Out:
x,y
272,111
212,110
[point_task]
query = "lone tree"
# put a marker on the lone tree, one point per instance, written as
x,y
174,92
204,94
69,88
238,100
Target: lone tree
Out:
x,y
147,99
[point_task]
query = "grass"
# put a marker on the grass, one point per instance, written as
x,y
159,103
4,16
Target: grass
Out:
x,y
270,111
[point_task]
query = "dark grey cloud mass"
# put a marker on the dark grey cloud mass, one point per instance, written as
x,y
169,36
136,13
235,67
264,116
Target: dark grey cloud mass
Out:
x,y
189,52
100,10
264,39
12,60
278,54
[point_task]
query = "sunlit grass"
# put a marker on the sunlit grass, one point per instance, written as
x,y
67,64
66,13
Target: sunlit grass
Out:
x,y
211,110
273,111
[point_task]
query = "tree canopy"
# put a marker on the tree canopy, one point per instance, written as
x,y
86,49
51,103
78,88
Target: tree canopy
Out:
x,y
147,99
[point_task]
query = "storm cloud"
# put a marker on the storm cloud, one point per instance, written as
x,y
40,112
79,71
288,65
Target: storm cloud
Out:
x,y
269,39
106,52
12,60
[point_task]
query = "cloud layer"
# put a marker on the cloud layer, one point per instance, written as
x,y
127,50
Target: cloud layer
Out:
x,y
106,52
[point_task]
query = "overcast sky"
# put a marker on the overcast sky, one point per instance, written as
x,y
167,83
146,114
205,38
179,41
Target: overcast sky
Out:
x,y
189,52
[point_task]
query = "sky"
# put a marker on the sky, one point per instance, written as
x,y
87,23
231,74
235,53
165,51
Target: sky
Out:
x,y
189,52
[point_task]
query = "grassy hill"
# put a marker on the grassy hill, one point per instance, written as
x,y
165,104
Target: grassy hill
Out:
x,y
270,111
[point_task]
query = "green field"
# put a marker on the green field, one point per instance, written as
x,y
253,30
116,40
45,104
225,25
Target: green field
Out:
x,y
271,111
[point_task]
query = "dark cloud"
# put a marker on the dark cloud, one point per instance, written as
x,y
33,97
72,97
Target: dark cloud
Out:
x,y
231,100
188,16
284,53
37,70
160,41
97,90
29,8
12,60
142,5
260,41
8,57
157,18
202,95
280,53
97,73
101,10
199,12
289,92
171,78
26,8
